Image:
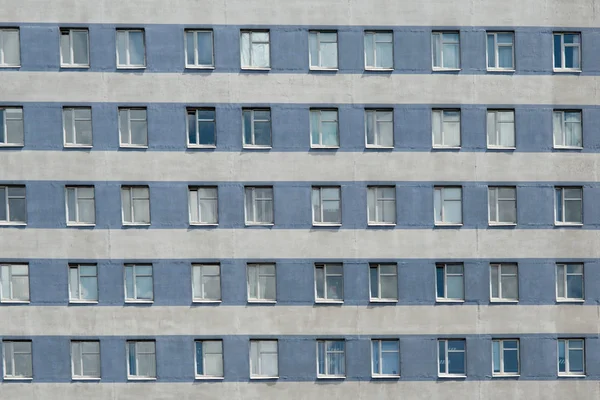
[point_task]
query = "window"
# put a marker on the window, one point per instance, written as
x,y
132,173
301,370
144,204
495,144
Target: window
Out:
x,y
11,126
199,49
451,357
567,51
323,52
445,126
381,205
80,205
385,358
14,209
206,281
254,50
83,283
449,281
569,282
77,126
85,359
17,359
262,284
501,129
500,54
204,208
201,127
136,205
329,282
326,205
131,52
263,359
331,359
209,359
324,128
257,128
133,127
505,354
141,359
504,282
138,283
10,55
379,128
569,205
74,48
571,357
446,50
379,50
383,279
447,205
259,205
567,128
502,202
14,283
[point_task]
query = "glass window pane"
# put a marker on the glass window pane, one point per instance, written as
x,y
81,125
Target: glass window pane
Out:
x,y
575,286
328,55
65,47
451,56
455,287
495,282
456,362
143,288
557,51
573,209
496,355
260,55
576,361
205,50
189,47
369,50
18,210
385,57
375,356
320,282
505,57
389,363
440,282
374,281
436,50
491,51
11,47
80,47
136,48
121,47
245,49
313,49
89,288
335,287
389,287
207,133
511,361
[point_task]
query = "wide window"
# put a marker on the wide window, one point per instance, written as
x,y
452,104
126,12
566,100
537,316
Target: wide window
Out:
x,y
501,129
131,49
85,359
257,128
329,282
14,207
203,205
500,53
17,359
567,51
201,127
505,354
379,128
209,359
569,205
385,358
326,205
324,128
262,283
381,205
14,283
451,358
11,126
449,282
139,283
571,357
379,50
447,205
446,50
323,50
77,126
74,48
206,282
263,359
502,202
331,359
141,359
199,49
83,283
10,54
133,127
81,209
445,126
569,282
135,201
567,129
259,205
254,49
504,282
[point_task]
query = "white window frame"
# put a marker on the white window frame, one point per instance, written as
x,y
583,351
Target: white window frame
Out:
x,y
372,35
563,45
127,111
194,112
377,220
253,120
77,199
563,128
3,120
137,353
379,374
441,190
77,267
495,220
567,343
6,205
197,64
446,374
252,191
73,64
135,298
441,34
325,275
129,189
447,299
501,361
379,298
11,274
442,128
497,124
127,64
3,63
260,352
261,272
326,360
497,268
199,294
565,284
377,119
8,356
72,122
204,375
319,190
319,113
194,207
252,42
496,51
563,200
317,66
78,353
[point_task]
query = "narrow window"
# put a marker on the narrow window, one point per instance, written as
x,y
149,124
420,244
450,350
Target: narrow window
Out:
x,y
567,51
263,359
199,49
14,283
206,281
323,53
324,129
85,359
10,54
446,50
257,128
385,358
133,127
80,205
569,205
329,282
571,357
139,283
567,129
505,354
504,282
331,358
259,205
135,202
379,128
17,359
451,358
14,207
209,359
449,282
204,205
381,205
326,205
131,49
383,279
141,359
379,50
569,282
83,283
502,201
77,126
262,283
500,53
201,127
446,128
74,48
254,50
448,205
11,126
501,129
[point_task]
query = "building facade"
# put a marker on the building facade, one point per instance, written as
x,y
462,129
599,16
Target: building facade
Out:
x,y
333,199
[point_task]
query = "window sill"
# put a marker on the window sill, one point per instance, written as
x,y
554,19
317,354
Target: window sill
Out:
x,y
375,224
572,301
503,301
313,147
333,302
383,301
505,376
201,224
74,66
246,147
449,301
442,69
499,148
452,376
140,379
85,379
500,224
83,301
258,301
385,376
130,67
445,147
317,225
75,225
139,301
559,70
370,146
3,223
200,301
77,146
263,378
11,145
571,375
375,69
134,225
17,378
448,225
323,69
197,146
10,66
567,224
205,67
568,148
15,302
501,70
259,224
209,378
126,146
255,68
330,377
